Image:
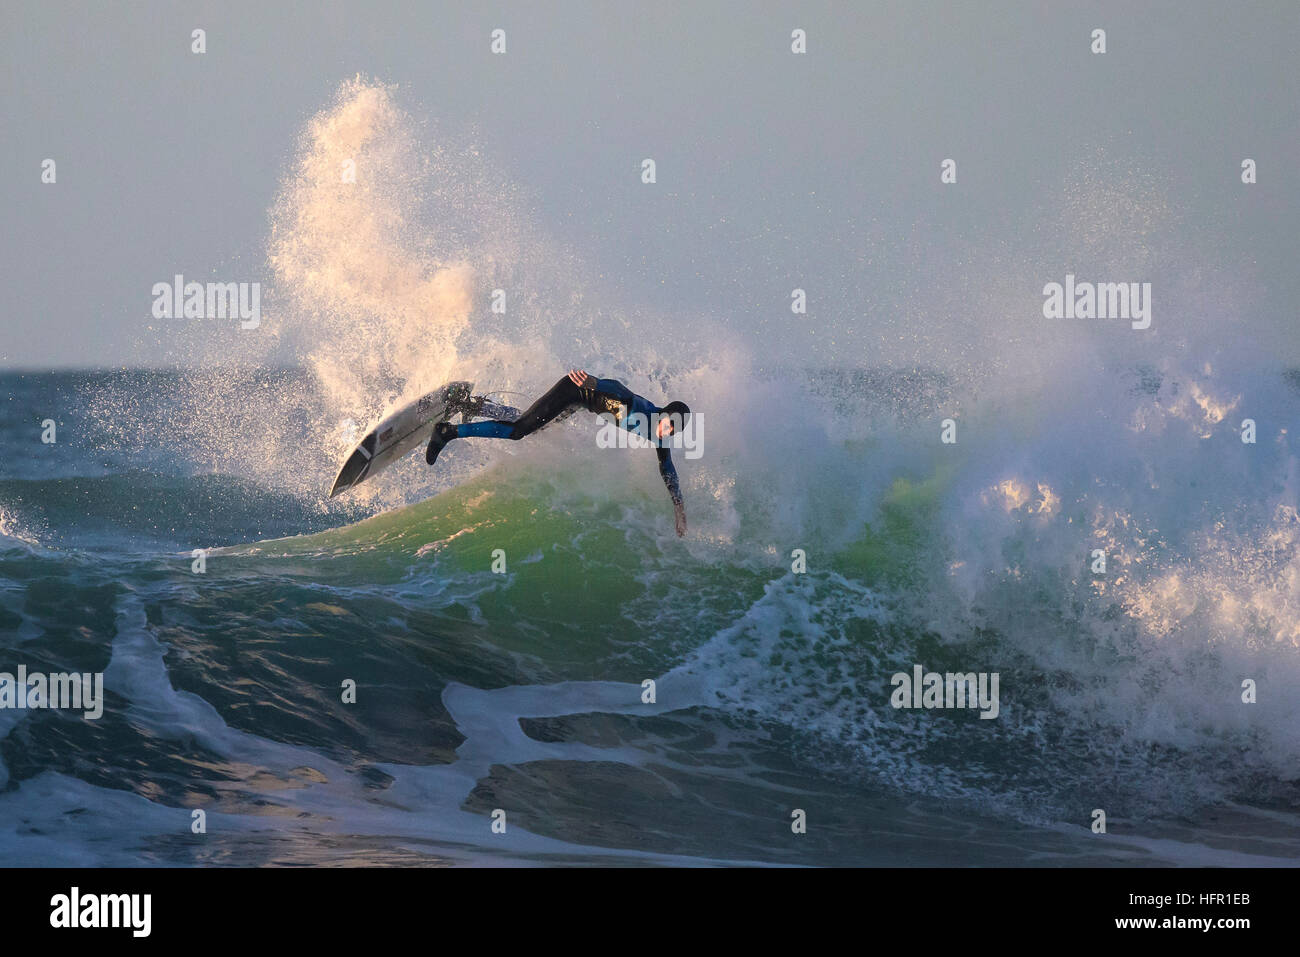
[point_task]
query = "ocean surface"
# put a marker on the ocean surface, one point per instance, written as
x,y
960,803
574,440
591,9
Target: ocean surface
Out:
x,y
517,696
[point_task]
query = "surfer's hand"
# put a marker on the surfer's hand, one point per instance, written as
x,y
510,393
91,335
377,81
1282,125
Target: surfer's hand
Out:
x,y
680,515
581,379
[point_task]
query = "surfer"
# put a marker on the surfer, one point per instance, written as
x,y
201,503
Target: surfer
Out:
x,y
578,390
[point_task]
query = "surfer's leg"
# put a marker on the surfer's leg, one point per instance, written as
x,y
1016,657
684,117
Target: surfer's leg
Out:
x,y
476,430
562,396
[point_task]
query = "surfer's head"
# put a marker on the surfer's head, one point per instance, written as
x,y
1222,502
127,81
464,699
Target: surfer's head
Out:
x,y
672,418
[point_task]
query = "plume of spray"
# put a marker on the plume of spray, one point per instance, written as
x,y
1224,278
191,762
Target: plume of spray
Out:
x,y
386,243
376,304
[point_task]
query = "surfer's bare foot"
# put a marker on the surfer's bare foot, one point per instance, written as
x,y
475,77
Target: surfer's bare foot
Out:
x,y
443,433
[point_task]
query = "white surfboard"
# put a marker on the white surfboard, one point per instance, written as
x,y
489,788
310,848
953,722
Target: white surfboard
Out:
x,y
398,433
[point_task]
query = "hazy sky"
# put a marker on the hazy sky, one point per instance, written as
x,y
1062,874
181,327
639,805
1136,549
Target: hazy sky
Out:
x,y
774,170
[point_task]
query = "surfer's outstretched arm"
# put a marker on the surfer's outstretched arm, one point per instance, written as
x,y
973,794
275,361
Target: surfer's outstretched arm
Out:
x,y
669,473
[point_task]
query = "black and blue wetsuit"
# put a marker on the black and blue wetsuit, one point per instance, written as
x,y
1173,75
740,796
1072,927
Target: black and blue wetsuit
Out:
x,y
608,397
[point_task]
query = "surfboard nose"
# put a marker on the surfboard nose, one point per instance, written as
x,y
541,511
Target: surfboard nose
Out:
x,y
355,468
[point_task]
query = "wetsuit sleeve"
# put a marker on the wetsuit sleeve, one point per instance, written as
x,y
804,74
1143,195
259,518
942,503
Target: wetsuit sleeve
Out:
x,y
669,474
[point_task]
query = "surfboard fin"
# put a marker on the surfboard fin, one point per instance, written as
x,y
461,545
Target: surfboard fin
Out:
x,y
443,433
